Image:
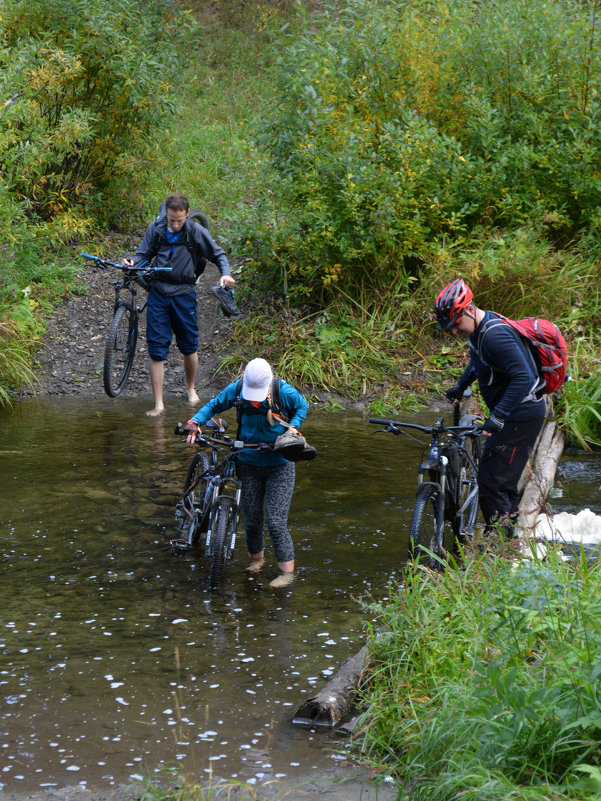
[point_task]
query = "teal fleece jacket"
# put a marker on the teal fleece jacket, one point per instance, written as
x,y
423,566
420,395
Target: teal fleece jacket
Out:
x,y
254,425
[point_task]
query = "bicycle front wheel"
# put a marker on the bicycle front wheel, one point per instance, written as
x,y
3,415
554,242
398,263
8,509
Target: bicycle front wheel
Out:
x,y
225,518
427,524
192,510
120,349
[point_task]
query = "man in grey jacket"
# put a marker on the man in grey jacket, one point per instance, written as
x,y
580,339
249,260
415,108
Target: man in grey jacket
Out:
x,y
180,248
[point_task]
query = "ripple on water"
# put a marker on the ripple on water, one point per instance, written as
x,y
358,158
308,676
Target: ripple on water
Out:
x,y
112,646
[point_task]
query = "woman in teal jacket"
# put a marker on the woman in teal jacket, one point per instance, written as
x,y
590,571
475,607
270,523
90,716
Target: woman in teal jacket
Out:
x,y
267,478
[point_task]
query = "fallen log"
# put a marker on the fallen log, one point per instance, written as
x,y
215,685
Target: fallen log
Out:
x,y
337,698
534,496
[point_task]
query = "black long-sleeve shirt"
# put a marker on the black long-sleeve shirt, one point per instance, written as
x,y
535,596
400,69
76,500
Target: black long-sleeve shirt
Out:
x,y
507,373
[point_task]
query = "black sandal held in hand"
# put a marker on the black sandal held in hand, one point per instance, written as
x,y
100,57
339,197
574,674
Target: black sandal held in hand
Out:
x,y
226,299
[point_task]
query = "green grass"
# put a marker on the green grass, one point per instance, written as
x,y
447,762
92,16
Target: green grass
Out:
x,y
17,340
209,155
579,406
485,682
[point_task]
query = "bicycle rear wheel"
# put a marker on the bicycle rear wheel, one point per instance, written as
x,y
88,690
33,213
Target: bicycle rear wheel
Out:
x,y
225,518
427,525
200,217
120,349
192,510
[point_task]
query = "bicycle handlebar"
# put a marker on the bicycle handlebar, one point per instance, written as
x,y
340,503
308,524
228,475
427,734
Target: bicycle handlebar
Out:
x,y
395,427
142,267
225,442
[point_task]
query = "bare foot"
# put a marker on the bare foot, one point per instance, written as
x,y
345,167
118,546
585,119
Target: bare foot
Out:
x,y
283,580
193,397
255,565
156,411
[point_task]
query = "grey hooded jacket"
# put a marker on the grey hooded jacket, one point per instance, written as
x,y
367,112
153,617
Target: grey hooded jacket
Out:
x,y
186,257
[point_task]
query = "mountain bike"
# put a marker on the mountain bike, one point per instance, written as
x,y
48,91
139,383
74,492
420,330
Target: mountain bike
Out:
x,y
447,483
210,502
122,338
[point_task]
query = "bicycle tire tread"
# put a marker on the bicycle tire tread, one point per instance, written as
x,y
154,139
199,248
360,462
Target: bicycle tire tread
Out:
x,y
221,529
427,496
113,388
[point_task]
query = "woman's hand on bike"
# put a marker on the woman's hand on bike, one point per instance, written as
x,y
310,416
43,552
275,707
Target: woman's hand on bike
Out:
x,y
227,281
192,430
127,262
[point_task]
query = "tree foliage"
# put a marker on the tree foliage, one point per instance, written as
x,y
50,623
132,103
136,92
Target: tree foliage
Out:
x,y
89,85
402,126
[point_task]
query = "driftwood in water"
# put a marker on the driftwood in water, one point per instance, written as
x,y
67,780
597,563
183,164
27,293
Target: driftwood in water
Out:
x,y
336,700
544,466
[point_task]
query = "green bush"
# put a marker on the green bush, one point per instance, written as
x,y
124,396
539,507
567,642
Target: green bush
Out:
x,y
484,682
399,128
90,81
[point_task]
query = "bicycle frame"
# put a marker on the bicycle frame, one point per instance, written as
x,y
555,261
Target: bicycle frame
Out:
x,y
444,468
129,284
436,465
223,484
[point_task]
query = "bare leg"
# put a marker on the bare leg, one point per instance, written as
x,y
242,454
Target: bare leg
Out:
x,y
157,373
191,368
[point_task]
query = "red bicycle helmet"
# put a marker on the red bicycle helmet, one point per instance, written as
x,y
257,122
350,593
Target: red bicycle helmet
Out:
x,y
451,302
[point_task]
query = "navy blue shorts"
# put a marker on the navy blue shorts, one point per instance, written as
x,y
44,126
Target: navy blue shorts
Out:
x,y
168,316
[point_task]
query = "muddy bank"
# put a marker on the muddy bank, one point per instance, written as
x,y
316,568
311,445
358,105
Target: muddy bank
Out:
x,y
336,787
72,352
70,359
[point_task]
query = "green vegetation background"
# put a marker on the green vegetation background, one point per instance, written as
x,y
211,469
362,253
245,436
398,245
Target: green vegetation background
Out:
x,y
352,157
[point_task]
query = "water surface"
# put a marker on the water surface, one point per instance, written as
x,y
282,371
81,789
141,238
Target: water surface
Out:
x,y
117,659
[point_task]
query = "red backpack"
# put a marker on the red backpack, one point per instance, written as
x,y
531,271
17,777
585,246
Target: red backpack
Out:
x,y
548,345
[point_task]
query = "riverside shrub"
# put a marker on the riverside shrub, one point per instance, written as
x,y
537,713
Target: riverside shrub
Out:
x,y
399,128
484,681
90,80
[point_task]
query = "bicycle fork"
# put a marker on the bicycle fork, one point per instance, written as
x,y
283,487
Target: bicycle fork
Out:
x,y
218,492
437,466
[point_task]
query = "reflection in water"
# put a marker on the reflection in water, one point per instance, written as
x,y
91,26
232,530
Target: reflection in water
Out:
x,y
115,657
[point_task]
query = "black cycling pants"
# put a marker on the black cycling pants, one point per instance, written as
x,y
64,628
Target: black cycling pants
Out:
x,y
266,496
503,459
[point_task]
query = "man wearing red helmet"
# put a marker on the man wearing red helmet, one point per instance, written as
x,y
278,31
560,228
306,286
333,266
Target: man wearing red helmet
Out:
x,y
511,387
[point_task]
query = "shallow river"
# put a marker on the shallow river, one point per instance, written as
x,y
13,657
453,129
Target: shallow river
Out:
x,y
116,659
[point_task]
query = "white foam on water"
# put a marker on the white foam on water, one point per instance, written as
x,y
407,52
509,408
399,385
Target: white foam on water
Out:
x,y
584,527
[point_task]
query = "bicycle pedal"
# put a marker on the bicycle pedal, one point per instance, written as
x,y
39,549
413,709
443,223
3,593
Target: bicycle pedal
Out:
x,y
179,546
